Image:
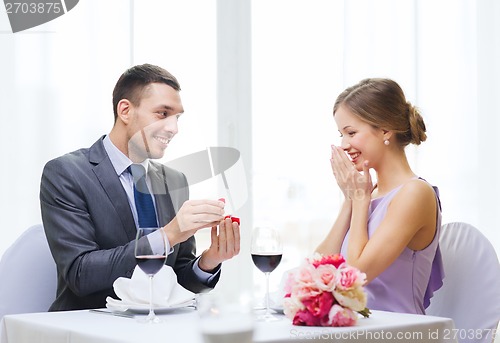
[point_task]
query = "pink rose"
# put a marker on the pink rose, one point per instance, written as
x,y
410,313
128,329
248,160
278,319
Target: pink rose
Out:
x,y
319,306
305,318
350,277
305,275
325,277
302,284
305,292
340,316
335,260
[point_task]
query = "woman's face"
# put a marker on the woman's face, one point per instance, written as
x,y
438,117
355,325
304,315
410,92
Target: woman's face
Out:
x,y
360,140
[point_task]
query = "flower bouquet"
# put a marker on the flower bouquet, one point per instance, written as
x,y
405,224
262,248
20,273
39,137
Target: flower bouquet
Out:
x,y
325,291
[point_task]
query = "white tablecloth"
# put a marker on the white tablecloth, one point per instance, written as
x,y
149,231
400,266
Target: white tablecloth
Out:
x,y
183,326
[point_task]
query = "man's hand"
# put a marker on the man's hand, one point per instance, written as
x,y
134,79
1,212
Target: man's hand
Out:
x,y
224,246
192,216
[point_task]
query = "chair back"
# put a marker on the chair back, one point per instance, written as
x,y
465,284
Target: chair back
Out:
x,y
470,294
28,277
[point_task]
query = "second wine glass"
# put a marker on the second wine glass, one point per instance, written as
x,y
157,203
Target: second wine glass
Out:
x,y
150,257
267,251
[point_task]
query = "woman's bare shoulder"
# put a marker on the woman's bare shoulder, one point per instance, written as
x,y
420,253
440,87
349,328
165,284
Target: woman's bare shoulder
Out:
x,y
418,191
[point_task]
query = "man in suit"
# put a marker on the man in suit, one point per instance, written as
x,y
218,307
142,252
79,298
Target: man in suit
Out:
x,y
88,208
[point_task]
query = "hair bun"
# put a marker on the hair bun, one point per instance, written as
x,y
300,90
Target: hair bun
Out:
x,y
417,126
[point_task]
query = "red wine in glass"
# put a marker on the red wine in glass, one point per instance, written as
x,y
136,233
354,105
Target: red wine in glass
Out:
x,y
150,264
265,262
150,258
266,251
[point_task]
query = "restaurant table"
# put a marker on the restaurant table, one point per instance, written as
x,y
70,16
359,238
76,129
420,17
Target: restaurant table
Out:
x,y
182,325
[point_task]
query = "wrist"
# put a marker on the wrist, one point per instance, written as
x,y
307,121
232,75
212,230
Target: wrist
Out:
x,y
205,264
347,202
360,203
170,235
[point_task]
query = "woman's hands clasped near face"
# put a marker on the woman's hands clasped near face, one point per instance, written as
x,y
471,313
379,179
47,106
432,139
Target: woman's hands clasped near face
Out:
x,y
354,184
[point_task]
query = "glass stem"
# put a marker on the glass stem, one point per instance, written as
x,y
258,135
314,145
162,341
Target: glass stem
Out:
x,y
267,294
151,312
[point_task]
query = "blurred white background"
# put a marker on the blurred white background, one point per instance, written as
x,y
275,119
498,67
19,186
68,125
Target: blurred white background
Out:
x,y
260,76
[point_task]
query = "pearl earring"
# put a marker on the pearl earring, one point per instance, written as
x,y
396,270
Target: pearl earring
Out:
x,y
386,142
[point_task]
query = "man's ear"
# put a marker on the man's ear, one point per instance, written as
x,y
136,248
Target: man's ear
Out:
x,y
123,110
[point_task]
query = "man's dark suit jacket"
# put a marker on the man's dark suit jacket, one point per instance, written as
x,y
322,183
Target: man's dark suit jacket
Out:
x,y
91,230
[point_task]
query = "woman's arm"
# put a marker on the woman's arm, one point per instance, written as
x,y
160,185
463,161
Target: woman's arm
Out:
x,y
410,219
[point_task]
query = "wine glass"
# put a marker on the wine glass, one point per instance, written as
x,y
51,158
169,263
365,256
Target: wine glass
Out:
x,y
266,251
150,258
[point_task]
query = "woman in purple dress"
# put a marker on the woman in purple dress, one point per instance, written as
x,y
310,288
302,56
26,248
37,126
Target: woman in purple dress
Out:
x,y
388,229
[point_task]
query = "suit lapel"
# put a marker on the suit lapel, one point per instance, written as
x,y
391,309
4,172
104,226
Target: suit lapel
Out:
x,y
111,184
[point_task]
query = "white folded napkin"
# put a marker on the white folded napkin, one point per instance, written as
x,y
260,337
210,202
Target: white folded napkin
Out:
x,y
134,292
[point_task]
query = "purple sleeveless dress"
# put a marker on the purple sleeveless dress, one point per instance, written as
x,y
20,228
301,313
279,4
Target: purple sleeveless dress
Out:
x,y
410,281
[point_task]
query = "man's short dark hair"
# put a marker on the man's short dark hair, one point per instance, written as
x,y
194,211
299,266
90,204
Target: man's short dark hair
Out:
x,y
134,80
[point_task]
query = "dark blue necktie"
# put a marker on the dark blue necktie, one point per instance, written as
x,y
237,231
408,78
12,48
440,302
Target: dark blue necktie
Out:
x,y
143,200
